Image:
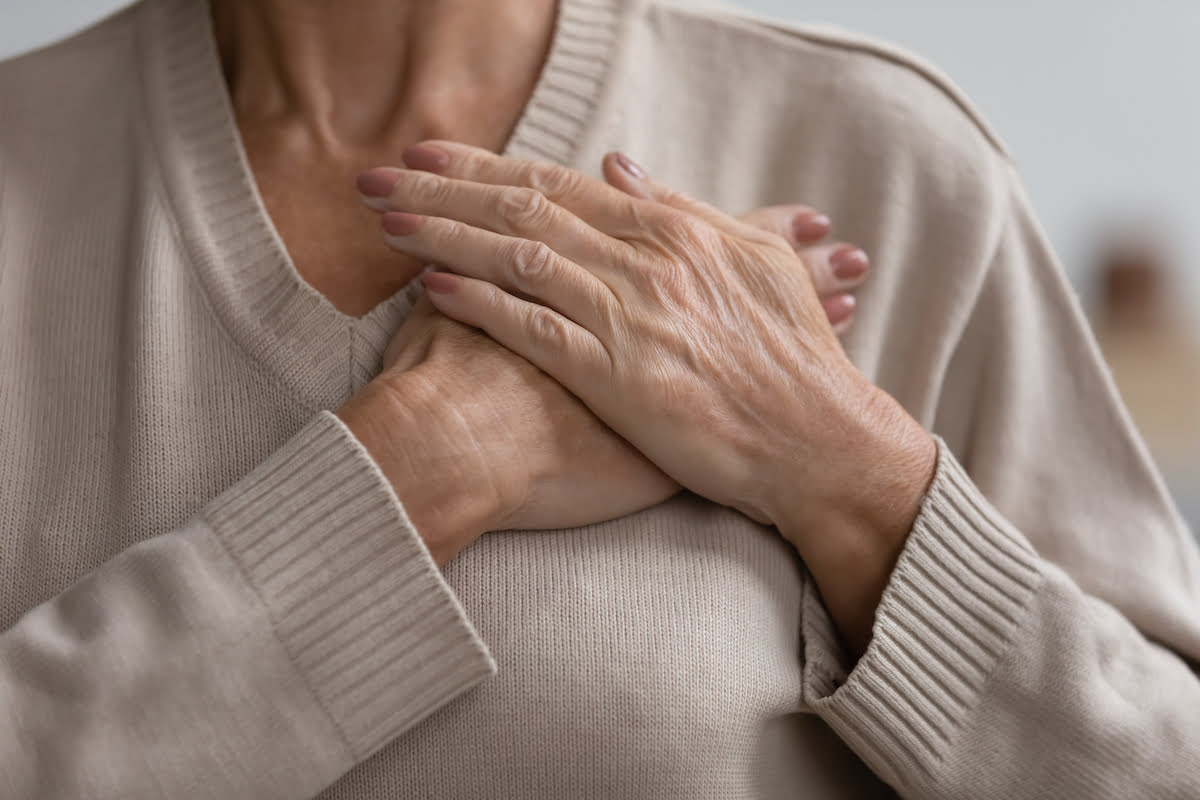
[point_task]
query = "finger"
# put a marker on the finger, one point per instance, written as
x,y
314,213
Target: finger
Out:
x,y
508,210
835,268
551,342
410,344
607,209
625,174
521,266
839,309
801,226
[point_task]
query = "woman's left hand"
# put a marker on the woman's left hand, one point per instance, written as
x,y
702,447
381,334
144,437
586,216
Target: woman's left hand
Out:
x,y
696,337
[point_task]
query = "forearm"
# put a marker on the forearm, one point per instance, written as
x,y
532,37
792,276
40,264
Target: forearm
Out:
x,y
873,483
991,674
259,651
159,674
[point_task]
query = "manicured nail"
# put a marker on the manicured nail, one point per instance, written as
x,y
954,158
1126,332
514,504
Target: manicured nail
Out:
x,y
849,263
632,167
425,157
839,308
401,223
440,282
377,182
811,226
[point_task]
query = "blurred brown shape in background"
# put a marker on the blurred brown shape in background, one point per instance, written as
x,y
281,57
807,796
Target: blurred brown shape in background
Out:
x,y
1152,350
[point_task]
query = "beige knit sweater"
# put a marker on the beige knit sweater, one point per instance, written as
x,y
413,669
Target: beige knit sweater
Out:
x,y
208,590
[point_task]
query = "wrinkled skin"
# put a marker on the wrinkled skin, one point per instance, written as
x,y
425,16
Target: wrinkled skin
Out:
x,y
552,463
698,338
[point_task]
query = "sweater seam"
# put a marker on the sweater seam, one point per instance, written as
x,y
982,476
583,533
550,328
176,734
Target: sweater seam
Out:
x,y
879,51
1004,213
3,227
1002,196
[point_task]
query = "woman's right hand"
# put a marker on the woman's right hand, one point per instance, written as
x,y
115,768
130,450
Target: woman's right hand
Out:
x,y
474,438
510,434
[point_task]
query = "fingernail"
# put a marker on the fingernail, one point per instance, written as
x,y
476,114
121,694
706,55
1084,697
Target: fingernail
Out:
x,y
849,263
401,223
440,282
425,157
840,308
811,226
377,182
632,167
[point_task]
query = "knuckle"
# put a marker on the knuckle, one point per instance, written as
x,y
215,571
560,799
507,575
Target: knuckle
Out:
x,y
426,186
681,226
444,231
492,300
531,262
521,206
554,180
547,328
472,162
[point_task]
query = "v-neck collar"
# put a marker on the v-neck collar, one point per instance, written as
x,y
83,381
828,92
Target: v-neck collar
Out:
x,y
292,331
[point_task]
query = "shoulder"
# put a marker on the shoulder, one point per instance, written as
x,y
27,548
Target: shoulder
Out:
x,y
748,112
871,134
105,36
69,106
44,84
862,85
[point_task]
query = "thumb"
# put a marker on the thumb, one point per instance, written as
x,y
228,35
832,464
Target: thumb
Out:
x,y
625,174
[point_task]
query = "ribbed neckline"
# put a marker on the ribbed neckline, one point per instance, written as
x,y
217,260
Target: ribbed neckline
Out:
x,y
292,332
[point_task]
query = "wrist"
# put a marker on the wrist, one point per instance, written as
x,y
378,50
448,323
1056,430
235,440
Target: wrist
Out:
x,y
397,421
851,530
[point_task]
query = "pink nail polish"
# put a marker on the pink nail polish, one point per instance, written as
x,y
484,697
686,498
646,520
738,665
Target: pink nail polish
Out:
x,y
425,157
440,282
811,227
849,263
630,166
839,308
377,182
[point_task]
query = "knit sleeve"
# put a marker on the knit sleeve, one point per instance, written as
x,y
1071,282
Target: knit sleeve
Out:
x,y
1040,632
260,651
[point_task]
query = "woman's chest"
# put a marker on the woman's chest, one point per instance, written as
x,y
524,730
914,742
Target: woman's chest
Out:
x,y
334,242
658,655
655,655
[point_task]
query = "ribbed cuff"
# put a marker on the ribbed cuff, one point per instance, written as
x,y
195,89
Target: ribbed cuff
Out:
x,y
953,607
355,597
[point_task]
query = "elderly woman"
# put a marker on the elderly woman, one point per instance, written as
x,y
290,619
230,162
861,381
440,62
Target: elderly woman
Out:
x,y
245,481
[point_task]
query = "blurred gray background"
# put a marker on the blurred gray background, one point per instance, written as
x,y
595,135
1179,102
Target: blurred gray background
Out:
x,y
1095,99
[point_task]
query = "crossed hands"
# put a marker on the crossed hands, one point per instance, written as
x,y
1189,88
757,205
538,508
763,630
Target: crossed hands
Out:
x,y
595,346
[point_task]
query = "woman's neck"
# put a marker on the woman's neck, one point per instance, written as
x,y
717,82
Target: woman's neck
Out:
x,y
357,73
